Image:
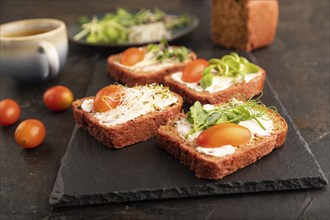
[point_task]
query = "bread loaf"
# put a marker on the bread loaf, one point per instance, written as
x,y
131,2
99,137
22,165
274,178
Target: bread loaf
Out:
x,y
244,24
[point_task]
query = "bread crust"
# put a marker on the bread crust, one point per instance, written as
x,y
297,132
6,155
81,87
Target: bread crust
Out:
x,y
263,18
240,91
211,167
132,78
128,133
246,24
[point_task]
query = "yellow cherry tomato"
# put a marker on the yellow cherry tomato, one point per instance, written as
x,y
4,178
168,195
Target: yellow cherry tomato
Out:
x,y
30,133
131,56
224,134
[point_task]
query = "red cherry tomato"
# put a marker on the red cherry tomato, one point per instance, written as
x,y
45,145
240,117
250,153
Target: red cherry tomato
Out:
x,y
30,133
58,98
193,70
224,134
9,112
107,98
131,56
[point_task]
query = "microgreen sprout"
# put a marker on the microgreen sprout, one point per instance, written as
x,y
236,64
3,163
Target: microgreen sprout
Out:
x,y
163,51
232,112
229,65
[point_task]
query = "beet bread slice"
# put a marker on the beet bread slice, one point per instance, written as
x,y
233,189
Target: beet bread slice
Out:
x,y
220,80
127,133
130,76
240,90
213,167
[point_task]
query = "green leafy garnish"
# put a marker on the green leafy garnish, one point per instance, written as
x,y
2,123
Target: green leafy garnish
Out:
x,y
229,65
115,27
163,51
232,112
206,80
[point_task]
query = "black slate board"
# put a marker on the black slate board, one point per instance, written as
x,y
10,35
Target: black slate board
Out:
x,y
93,174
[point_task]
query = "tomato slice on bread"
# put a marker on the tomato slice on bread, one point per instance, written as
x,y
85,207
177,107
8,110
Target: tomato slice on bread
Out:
x,y
224,134
193,71
107,98
131,56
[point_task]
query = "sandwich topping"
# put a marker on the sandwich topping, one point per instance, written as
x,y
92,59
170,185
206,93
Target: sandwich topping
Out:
x,y
219,74
218,130
153,57
131,103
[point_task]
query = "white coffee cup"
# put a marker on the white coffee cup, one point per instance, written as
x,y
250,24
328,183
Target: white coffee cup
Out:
x,y
33,50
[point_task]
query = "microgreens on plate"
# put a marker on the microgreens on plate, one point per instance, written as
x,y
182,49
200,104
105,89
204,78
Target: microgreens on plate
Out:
x,y
122,26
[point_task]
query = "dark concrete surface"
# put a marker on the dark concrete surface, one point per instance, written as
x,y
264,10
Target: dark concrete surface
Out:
x,y
298,62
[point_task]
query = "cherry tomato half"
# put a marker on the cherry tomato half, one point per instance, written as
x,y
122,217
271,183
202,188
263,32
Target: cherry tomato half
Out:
x,y
107,98
193,70
30,133
9,112
224,134
58,98
131,56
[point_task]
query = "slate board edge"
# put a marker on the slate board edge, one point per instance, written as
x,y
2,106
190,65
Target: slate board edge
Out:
x,y
58,189
301,139
59,200
288,117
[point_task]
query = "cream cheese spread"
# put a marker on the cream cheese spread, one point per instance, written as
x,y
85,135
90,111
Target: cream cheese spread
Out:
x,y
218,152
87,105
219,83
184,126
138,101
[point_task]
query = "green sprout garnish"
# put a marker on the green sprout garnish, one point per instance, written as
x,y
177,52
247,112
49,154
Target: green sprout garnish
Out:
x,y
163,51
114,27
232,112
229,65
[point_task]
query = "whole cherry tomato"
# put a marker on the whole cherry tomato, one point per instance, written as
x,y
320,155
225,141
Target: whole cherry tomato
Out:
x,y
30,133
224,134
9,112
107,98
131,56
193,71
58,98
